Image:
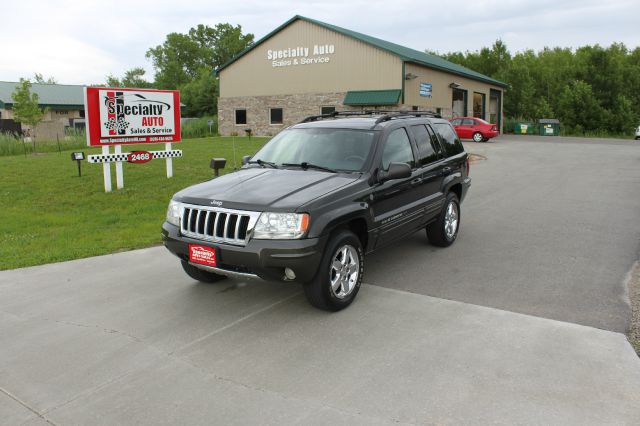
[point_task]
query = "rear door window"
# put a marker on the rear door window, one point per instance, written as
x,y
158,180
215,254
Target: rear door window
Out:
x,y
426,152
435,143
449,138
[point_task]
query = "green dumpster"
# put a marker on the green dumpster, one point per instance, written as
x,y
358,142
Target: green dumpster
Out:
x,y
524,129
549,127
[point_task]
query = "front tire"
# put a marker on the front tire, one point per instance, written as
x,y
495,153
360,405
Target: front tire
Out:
x,y
200,275
477,137
339,275
444,231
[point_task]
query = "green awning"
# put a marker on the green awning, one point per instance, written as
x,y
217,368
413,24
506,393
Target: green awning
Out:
x,y
372,97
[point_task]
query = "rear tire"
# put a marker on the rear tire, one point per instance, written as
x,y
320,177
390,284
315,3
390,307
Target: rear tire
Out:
x,y
444,231
477,137
199,274
339,275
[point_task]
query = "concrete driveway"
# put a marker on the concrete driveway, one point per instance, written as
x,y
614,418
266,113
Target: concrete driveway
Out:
x,y
129,339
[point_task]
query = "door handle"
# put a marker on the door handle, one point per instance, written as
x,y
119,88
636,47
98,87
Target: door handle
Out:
x,y
416,181
446,171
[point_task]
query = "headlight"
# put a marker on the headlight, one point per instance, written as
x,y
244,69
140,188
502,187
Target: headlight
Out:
x,y
281,226
173,212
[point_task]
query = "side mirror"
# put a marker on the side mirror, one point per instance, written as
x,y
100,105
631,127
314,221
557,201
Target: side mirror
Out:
x,y
245,159
396,171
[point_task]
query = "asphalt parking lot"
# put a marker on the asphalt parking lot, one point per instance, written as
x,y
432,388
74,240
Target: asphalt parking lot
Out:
x,y
550,228
519,322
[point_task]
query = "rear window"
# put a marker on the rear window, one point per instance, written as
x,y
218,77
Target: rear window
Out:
x,y
449,138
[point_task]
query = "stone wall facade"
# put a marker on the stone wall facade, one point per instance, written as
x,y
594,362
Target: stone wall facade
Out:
x,y
294,109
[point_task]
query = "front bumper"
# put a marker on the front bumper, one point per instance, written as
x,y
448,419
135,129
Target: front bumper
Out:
x,y
263,258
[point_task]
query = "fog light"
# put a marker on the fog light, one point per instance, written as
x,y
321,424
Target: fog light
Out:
x,y
288,272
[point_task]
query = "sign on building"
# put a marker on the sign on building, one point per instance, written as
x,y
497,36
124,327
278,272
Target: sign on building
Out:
x,y
426,89
117,116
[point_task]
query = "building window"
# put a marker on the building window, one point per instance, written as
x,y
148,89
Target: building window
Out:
x,y
459,103
276,115
241,116
62,112
478,105
414,108
439,111
327,110
82,114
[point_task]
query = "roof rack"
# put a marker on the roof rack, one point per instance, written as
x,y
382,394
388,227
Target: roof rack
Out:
x,y
394,115
334,115
385,115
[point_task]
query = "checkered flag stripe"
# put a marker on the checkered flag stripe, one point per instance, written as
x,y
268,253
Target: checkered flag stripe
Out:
x,y
112,158
167,154
108,158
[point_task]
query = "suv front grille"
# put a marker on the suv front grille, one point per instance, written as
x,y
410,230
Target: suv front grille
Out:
x,y
217,224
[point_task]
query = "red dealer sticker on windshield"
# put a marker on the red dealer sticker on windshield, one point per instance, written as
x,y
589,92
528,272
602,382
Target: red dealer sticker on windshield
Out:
x,y
202,255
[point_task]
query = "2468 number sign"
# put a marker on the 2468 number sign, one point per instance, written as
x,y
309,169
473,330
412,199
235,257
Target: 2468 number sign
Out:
x,y
139,157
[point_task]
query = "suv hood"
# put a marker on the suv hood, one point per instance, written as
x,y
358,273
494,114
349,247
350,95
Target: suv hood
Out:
x,y
260,189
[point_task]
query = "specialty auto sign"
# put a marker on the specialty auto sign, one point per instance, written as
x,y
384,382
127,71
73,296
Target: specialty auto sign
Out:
x,y
117,116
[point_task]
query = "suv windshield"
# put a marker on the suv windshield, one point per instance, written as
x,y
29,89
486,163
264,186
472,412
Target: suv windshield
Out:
x,y
337,149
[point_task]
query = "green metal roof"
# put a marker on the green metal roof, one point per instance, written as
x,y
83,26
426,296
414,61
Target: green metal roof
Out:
x,y
63,96
372,97
405,53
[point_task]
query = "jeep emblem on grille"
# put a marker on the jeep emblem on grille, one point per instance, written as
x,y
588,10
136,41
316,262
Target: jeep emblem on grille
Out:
x,y
216,203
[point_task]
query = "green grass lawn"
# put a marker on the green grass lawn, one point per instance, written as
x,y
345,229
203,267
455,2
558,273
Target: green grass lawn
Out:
x,y
49,214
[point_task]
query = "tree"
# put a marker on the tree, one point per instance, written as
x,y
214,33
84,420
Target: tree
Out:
x,y
26,109
200,95
181,58
579,107
39,78
591,88
132,78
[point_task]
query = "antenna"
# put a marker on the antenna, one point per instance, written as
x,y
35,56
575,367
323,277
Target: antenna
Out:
x,y
235,167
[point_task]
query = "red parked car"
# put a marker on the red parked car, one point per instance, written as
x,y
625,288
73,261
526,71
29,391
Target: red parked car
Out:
x,y
474,128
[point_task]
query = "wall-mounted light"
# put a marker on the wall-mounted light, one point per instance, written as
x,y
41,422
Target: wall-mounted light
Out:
x,y
410,76
454,85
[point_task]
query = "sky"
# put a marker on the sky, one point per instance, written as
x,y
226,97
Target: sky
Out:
x,y
83,41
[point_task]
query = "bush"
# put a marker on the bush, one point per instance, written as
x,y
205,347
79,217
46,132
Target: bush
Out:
x,y
11,144
198,127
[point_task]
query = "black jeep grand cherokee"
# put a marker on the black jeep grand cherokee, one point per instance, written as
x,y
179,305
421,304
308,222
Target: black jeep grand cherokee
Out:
x,y
318,197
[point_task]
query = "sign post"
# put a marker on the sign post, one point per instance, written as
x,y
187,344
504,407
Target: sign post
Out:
x,y
117,117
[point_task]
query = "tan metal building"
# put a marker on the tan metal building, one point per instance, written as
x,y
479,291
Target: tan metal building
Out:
x,y
64,112
306,67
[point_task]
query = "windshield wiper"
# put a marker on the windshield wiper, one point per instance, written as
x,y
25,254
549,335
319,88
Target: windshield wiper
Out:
x,y
304,165
263,163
